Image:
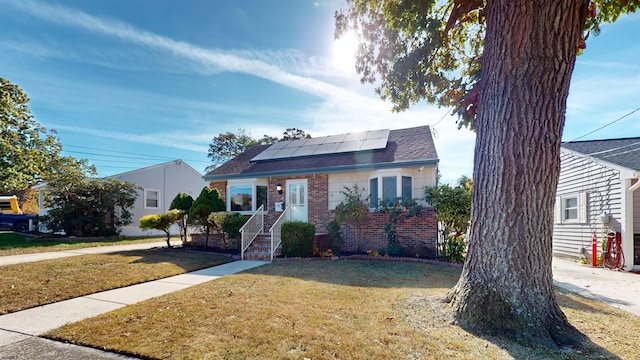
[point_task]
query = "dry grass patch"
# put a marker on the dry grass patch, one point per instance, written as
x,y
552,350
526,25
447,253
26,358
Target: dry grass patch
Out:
x,y
28,285
356,309
18,244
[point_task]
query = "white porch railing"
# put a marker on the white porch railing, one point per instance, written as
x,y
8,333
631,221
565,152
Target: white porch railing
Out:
x,y
251,229
276,239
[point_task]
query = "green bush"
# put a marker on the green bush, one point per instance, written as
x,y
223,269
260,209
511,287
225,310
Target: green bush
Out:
x,y
297,239
334,238
455,248
228,225
232,224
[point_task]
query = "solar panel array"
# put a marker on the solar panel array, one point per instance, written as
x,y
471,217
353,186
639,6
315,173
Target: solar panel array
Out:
x,y
351,142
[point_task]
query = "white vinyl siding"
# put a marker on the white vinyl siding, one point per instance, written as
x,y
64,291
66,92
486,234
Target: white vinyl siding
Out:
x,y
597,189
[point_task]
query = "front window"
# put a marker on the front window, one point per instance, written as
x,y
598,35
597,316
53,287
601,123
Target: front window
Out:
x,y
241,198
388,188
373,193
261,196
246,197
151,199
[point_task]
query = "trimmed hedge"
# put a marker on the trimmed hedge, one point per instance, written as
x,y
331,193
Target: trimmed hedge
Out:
x,y
297,239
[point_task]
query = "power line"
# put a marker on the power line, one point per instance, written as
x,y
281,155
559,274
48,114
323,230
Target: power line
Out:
x,y
605,125
138,155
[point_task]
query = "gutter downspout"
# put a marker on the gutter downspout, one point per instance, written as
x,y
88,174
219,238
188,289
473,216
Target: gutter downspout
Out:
x,y
628,215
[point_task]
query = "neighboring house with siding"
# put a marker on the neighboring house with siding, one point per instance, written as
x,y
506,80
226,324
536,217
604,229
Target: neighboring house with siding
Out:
x,y
308,177
159,186
598,190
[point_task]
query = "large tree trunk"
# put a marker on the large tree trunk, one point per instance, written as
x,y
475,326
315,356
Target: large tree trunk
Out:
x,y
506,286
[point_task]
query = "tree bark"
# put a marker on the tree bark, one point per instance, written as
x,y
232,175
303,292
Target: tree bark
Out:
x,y
506,287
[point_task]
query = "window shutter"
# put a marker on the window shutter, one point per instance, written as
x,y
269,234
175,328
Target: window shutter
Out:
x,y
557,213
582,208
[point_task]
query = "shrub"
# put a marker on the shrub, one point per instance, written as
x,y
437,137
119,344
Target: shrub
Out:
x,y
455,248
228,225
297,239
232,224
334,237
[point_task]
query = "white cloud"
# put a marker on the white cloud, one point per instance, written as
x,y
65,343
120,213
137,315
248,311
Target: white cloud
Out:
x,y
172,139
340,110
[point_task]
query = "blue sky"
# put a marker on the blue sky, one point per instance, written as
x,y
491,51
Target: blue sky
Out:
x,y
133,83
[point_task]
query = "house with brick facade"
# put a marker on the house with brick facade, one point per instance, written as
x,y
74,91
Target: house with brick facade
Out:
x,y
305,179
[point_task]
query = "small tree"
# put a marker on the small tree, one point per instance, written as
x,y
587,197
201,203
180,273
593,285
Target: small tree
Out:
x,y
453,211
353,210
207,202
182,202
161,222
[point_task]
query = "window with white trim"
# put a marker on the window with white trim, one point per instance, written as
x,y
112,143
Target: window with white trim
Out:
x,y
151,198
571,209
246,197
388,187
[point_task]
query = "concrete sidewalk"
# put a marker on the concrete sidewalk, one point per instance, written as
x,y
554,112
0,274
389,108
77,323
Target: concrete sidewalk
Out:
x,y
25,258
18,330
616,288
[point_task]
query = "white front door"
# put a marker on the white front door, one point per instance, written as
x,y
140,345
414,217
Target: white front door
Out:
x,y
297,199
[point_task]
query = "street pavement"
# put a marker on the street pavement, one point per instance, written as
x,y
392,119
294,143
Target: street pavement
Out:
x,y
19,331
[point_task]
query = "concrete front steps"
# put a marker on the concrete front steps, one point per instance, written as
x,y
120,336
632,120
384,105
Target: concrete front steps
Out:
x,y
260,249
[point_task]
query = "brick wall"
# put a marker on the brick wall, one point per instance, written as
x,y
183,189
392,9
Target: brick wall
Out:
x,y
222,188
414,232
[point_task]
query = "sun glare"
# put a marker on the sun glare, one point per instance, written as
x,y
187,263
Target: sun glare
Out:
x,y
344,52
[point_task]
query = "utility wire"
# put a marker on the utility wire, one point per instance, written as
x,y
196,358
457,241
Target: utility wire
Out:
x,y
138,156
605,125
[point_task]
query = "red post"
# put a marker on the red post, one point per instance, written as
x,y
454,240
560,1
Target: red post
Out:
x,y
594,250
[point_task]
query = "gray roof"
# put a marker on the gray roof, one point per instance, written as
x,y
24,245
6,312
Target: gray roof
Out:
x,y
405,148
622,152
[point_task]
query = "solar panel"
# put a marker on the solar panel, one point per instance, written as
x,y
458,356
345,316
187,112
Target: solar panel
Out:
x,y
306,150
349,146
356,136
342,143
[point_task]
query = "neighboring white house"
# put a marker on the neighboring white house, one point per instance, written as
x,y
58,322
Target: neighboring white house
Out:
x,y
598,190
160,184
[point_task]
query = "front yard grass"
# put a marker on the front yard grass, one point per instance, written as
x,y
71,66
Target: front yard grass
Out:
x,y
348,309
18,244
27,285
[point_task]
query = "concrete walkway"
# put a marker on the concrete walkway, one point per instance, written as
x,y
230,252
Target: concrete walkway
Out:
x,y
25,258
616,288
19,330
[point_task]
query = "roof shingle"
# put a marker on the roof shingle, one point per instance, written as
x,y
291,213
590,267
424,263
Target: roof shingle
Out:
x,y
622,152
405,147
